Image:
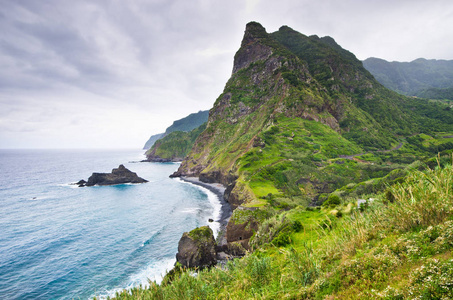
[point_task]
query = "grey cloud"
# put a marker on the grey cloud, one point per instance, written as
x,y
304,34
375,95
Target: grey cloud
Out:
x,y
84,62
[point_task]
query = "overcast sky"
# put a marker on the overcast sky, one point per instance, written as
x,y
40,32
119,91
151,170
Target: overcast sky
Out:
x,y
108,74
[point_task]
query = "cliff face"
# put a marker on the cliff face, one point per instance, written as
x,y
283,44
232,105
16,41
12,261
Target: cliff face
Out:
x,y
272,79
150,142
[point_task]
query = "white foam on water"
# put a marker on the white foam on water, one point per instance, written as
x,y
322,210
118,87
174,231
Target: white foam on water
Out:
x,y
190,210
214,200
153,272
216,205
70,185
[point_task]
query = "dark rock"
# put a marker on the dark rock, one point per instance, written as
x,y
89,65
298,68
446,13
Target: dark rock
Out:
x,y
210,220
117,176
237,249
81,183
161,160
175,174
232,250
217,177
197,248
243,224
228,190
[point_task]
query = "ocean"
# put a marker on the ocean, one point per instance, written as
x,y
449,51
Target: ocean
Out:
x,y
59,241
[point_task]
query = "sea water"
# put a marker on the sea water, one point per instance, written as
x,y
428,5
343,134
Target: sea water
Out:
x,y
59,241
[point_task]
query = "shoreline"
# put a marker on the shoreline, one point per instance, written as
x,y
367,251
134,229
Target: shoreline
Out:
x,y
225,209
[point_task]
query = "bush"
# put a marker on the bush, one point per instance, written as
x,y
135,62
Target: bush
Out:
x,y
282,239
297,226
332,200
389,196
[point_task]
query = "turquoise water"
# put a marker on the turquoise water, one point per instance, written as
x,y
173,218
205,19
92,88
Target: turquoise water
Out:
x,y
58,241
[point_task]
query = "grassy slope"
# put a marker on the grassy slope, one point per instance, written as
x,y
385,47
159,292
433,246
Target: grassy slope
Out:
x,y
175,145
394,249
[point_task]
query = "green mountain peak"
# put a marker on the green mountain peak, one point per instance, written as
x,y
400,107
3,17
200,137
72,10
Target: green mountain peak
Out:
x,y
293,105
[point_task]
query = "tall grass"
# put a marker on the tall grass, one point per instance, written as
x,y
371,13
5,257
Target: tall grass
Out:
x,y
385,252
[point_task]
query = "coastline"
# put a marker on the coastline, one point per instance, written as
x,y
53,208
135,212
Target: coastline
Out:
x,y
225,210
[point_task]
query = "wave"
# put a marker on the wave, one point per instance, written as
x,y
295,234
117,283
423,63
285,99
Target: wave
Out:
x,y
151,239
215,203
155,271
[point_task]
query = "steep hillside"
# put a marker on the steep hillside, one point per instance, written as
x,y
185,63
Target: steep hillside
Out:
x,y
412,78
292,106
150,142
174,146
185,124
189,123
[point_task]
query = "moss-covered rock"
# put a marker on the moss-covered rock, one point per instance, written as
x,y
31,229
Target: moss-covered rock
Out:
x,y
243,224
197,248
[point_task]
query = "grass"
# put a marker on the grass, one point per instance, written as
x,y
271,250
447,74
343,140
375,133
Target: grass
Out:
x,y
392,250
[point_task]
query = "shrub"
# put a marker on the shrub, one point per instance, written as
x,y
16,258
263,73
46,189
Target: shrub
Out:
x,y
433,280
333,200
297,226
389,196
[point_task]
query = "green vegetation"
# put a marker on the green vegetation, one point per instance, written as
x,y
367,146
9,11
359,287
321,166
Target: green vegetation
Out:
x,y
189,123
174,146
201,233
185,124
392,250
436,93
431,79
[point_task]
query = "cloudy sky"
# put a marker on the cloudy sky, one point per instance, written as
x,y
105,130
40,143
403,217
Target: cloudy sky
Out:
x,y
109,73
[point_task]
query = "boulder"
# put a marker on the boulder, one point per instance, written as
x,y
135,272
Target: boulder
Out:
x,y
117,176
197,248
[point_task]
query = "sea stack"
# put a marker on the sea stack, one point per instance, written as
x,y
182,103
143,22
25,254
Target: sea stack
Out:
x,y
197,248
119,175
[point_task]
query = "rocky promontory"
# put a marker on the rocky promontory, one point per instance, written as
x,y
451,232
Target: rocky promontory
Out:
x,y
197,248
119,175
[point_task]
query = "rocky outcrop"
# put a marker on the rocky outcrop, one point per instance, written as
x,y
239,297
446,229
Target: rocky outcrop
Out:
x,y
197,248
252,49
242,225
117,176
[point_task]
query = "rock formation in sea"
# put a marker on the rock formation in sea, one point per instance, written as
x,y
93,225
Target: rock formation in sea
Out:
x,y
197,248
117,176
